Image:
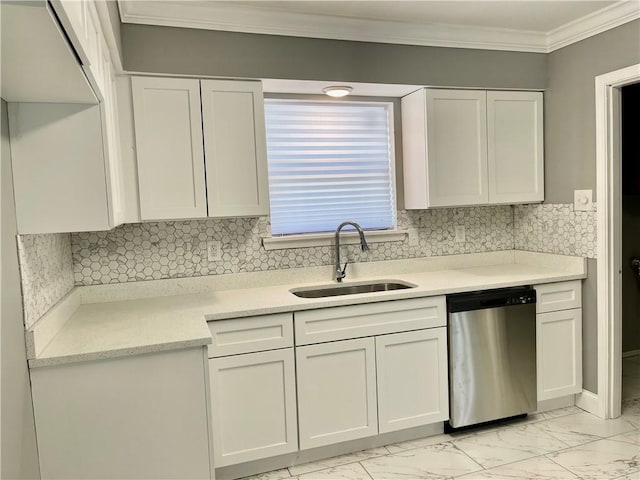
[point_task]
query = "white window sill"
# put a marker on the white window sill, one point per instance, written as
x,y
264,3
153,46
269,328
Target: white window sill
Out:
x,y
327,239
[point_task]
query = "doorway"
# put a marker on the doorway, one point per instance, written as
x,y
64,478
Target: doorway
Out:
x,y
607,403
630,158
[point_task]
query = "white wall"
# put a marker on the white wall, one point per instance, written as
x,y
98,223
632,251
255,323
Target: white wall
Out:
x,y
19,456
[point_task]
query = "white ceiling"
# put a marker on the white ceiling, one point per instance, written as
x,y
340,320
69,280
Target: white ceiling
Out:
x,y
540,16
518,25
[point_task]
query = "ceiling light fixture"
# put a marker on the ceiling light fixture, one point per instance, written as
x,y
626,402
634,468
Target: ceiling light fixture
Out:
x,y
337,90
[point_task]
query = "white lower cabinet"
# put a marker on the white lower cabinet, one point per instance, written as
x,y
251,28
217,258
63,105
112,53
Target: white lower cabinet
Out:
x,y
559,339
253,388
254,406
387,381
412,379
138,417
559,353
336,392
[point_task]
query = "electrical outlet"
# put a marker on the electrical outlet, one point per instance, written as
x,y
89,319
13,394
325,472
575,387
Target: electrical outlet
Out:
x,y
460,234
214,250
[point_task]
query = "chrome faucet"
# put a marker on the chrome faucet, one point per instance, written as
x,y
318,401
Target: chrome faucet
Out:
x,y
341,272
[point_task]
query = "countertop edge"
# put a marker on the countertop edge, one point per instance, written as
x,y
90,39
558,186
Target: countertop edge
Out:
x,y
230,305
117,353
358,299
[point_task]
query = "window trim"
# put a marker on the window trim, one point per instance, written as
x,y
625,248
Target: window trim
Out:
x,y
304,240
314,239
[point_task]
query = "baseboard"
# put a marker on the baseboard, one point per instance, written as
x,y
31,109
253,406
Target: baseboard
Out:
x,y
305,456
589,402
555,403
630,353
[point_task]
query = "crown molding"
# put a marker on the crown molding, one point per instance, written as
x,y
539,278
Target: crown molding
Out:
x,y
597,22
242,18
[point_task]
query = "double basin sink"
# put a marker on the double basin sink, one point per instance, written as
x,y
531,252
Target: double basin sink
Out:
x,y
350,289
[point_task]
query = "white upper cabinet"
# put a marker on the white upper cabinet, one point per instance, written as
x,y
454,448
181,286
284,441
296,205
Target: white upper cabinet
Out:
x,y
515,146
235,148
169,148
177,144
59,171
38,63
65,148
472,147
79,26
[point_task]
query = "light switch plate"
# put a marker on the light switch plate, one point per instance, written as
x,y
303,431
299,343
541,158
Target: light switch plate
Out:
x,y
461,236
583,200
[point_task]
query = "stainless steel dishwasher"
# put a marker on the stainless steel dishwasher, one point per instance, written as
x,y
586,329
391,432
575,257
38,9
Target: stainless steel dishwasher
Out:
x,y
492,355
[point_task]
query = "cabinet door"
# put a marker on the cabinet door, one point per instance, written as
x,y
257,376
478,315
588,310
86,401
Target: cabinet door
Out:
x,y
235,148
58,167
456,147
515,147
336,392
75,18
254,406
412,379
168,126
559,353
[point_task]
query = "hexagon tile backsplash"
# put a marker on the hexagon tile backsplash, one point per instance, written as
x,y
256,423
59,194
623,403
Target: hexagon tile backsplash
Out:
x,y
51,264
149,251
46,271
555,228
158,250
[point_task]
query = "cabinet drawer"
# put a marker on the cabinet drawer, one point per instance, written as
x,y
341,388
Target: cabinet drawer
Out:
x,y
251,334
558,296
353,321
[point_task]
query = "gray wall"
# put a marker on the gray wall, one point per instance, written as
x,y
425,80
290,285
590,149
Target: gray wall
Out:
x,y
204,52
570,120
570,145
18,440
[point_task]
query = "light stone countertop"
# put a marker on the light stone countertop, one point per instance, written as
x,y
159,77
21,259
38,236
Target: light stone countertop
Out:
x,y
78,330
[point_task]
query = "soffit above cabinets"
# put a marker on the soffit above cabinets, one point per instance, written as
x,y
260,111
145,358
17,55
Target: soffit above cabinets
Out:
x,y
38,63
516,25
314,87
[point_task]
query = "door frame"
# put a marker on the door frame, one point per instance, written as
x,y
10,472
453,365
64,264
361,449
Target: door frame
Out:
x,y
607,403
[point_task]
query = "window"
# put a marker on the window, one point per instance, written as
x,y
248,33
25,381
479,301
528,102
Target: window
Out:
x,y
329,162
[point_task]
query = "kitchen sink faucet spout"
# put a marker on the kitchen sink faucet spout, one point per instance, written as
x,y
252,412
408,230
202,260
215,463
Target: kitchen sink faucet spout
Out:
x,y
342,272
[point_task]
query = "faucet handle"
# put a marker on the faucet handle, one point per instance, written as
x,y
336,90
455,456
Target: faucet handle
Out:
x,y
343,272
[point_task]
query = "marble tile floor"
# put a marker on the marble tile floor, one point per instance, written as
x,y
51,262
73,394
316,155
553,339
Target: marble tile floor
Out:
x,y
567,443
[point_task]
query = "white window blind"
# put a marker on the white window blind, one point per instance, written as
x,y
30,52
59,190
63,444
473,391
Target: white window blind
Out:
x,y
329,162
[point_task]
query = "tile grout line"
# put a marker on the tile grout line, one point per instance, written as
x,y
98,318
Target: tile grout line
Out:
x,y
366,471
561,466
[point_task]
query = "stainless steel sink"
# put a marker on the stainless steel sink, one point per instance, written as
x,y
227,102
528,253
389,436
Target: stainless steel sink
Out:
x,y
350,289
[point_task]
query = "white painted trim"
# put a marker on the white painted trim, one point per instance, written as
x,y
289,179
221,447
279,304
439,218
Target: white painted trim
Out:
x,y
327,239
609,295
630,353
102,11
592,24
242,18
587,401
